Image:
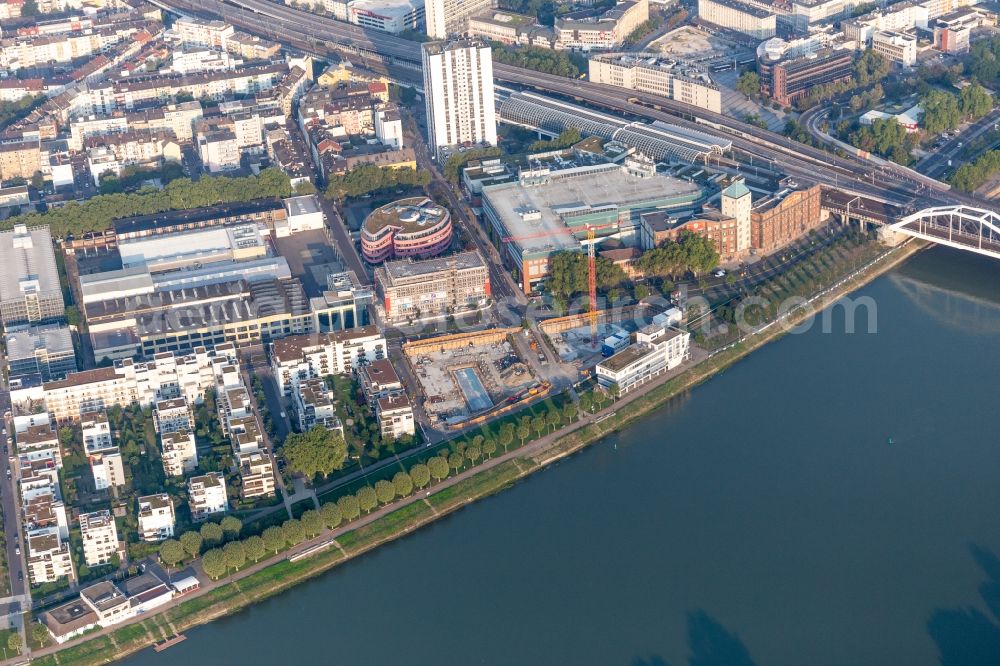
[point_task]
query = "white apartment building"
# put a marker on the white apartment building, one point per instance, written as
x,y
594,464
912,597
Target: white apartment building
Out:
x,y
172,415
156,517
39,443
48,557
100,537
739,17
107,468
315,406
199,32
395,416
458,89
651,73
219,151
207,496
257,474
128,383
657,349
896,47
180,452
389,128
300,357
445,18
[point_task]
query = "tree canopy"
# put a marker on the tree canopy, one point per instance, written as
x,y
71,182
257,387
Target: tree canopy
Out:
x,y
690,252
368,178
548,61
749,83
317,451
941,112
569,273
96,214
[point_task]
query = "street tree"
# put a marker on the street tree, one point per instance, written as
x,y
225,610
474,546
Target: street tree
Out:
x,y
231,526
538,425
438,468
191,541
553,419
367,499
385,491
506,436
14,642
312,522
235,554
420,474
171,552
570,411
523,432
349,508
293,531
332,517
587,403
274,538
255,548
318,451
749,84
474,453
402,483
39,632
456,461
489,447
214,563
211,534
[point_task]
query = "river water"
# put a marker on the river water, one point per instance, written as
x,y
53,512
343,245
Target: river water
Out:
x,y
833,499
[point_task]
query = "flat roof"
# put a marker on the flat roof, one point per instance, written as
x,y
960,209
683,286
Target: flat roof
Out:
x,y
170,218
626,357
304,205
24,342
409,268
534,215
29,262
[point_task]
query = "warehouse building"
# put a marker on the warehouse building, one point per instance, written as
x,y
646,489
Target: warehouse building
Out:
x,y
29,284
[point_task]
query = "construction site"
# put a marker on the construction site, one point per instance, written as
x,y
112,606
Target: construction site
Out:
x,y
466,375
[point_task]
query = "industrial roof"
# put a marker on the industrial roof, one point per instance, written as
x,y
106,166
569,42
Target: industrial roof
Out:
x,y
29,262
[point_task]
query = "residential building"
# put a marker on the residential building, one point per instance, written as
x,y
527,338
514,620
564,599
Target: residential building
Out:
x,y
652,73
29,286
199,32
395,416
415,227
314,406
39,443
172,415
300,357
100,538
20,159
389,128
510,28
739,17
458,90
207,496
657,349
38,353
180,452
896,47
128,383
219,150
433,287
48,558
392,16
257,474
607,29
446,18
378,379
156,517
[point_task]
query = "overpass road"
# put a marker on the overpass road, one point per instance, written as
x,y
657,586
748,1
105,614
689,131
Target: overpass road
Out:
x,y
319,34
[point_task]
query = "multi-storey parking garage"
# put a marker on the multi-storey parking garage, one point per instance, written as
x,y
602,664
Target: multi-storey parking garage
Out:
x,y
660,141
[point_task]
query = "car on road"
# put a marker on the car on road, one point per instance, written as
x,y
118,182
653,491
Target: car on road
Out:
x,y
20,575
17,550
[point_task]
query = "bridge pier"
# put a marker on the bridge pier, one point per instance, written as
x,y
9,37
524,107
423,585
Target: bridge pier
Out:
x,y
889,236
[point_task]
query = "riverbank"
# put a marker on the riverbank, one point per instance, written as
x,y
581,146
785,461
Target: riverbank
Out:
x,y
269,578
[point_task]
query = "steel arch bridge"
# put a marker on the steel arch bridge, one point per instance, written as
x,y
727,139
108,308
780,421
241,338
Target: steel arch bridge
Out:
x,y
961,227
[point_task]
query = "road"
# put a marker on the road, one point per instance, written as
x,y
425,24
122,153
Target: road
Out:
x,y
342,241
321,34
936,163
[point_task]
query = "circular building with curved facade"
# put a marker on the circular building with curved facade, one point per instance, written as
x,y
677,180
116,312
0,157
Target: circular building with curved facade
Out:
x,y
415,227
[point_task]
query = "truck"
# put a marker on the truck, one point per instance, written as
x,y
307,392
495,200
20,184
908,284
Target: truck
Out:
x,y
615,343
